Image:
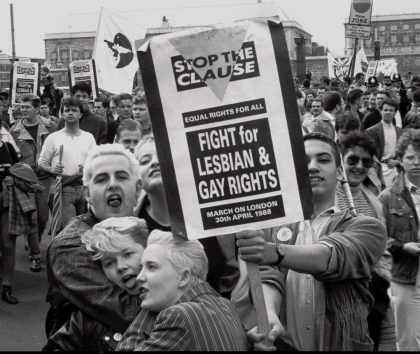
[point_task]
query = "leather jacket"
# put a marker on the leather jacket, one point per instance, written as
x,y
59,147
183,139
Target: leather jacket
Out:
x,y
83,333
402,224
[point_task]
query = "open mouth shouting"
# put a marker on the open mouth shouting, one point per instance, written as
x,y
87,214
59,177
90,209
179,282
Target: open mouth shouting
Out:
x,y
114,200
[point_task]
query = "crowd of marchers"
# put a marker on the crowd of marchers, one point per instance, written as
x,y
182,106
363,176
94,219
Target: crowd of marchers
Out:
x,y
120,279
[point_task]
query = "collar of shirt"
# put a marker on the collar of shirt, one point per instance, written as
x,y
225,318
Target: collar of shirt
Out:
x,y
319,222
411,187
329,116
386,125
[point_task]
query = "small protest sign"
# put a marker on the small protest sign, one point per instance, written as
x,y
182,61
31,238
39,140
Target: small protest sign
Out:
x,y
84,71
24,81
227,129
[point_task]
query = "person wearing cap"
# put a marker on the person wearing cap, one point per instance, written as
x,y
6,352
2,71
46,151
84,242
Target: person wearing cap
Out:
x,y
372,84
396,80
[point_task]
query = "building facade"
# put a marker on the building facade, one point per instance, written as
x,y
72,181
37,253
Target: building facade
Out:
x,y
296,38
399,37
62,48
6,68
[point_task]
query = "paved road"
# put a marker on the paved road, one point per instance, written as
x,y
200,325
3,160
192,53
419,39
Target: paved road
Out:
x,y
22,325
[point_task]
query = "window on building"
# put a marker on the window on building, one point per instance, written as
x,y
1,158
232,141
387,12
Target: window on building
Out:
x,y
54,57
406,39
382,28
88,54
393,39
417,26
393,27
75,55
406,27
412,49
417,38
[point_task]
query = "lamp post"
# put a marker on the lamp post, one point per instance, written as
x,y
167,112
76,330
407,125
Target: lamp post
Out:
x,y
300,58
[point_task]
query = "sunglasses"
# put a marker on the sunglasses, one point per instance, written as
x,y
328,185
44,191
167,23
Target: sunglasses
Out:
x,y
353,160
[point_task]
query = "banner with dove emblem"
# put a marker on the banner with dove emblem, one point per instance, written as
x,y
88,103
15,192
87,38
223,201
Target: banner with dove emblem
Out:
x,y
115,52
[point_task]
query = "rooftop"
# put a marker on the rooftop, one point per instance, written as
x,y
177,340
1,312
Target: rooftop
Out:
x,y
68,35
396,17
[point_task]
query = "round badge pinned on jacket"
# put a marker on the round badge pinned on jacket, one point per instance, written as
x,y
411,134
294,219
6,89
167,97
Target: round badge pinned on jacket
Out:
x,y
284,234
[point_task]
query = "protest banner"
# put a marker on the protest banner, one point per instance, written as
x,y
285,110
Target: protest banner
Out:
x,y
379,68
226,124
114,52
84,71
361,63
338,67
24,81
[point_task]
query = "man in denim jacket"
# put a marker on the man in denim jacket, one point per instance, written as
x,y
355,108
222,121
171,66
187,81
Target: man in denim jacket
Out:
x,y
401,207
326,263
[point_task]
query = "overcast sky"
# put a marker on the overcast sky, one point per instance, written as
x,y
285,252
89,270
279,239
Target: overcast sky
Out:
x,y
33,19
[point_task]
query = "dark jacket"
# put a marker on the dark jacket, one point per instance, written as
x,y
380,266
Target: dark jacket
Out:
x,y
377,134
402,224
82,333
74,277
93,124
411,120
370,119
112,130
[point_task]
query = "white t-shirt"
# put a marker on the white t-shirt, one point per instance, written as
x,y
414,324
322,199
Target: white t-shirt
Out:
x,y
75,150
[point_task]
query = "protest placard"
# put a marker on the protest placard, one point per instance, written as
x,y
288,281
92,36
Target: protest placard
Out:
x,y
84,71
24,81
227,128
383,67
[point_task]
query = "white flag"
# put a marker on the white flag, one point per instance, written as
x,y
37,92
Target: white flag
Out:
x,y
362,63
115,52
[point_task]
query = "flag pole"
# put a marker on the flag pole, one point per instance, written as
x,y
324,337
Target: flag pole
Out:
x,y
57,201
12,22
353,60
97,31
